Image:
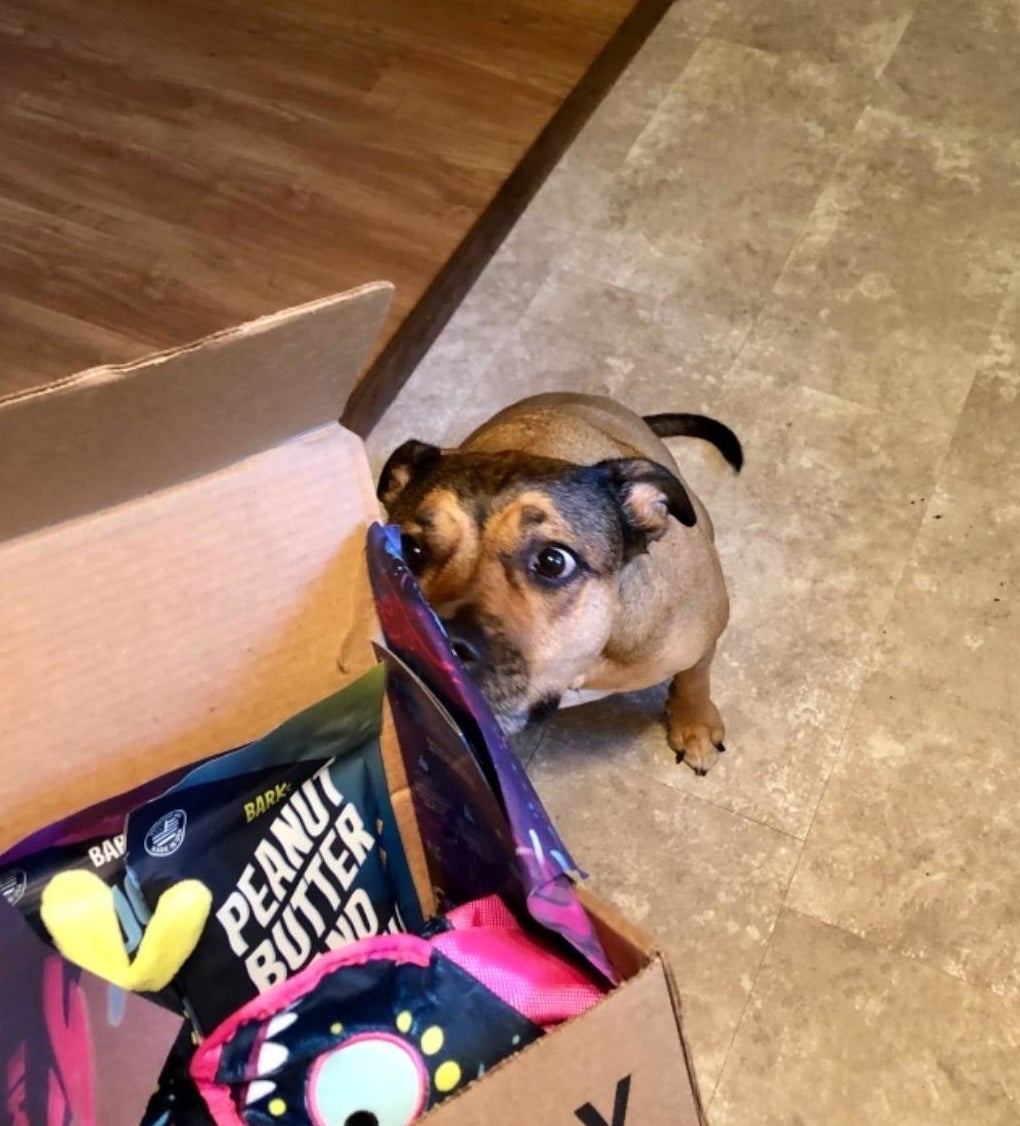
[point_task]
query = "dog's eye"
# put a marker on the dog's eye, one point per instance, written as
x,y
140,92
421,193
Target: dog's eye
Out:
x,y
413,552
554,564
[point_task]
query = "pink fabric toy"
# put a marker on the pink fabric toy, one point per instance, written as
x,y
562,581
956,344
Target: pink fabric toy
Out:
x,y
378,1032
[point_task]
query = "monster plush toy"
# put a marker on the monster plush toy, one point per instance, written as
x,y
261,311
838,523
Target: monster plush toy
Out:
x,y
372,1034
377,1033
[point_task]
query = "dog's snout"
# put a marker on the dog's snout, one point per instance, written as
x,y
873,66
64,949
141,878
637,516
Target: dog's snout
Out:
x,y
466,640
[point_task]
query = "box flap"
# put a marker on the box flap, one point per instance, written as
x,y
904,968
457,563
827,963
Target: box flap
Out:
x,y
621,1062
627,948
110,434
185,623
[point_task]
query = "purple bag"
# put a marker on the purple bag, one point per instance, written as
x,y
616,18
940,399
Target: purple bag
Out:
x,y
414,633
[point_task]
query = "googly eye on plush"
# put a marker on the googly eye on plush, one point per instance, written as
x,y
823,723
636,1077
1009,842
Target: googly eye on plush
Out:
x,y
553,563
372,1080
369,1079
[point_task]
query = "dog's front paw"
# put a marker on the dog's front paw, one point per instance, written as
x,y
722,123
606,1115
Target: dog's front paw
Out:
x,y
697,740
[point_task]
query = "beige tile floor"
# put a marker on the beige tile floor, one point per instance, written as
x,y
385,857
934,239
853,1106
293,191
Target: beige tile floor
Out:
x,y
803,216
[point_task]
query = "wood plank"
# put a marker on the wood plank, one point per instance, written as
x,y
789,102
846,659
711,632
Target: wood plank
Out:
x,y
406,346
170,169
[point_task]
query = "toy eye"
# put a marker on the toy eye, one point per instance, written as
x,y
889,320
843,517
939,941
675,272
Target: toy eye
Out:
x,y
554,563
413,552
373,1080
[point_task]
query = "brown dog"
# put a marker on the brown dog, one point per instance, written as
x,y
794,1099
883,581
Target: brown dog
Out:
x,y
563,551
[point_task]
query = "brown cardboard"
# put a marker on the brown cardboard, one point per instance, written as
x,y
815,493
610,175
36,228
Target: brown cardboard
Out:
x,y
109,434
160,631
620,1064
186,571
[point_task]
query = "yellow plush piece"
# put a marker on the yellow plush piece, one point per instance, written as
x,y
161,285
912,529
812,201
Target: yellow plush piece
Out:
x,y
78,910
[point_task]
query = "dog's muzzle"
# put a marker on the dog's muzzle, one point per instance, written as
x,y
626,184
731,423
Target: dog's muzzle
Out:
x,y
494,664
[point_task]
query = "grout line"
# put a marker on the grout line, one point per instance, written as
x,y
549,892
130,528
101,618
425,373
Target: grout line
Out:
x,y
932,966
799,845
784,904
908,556
885,412
921,963
766,948
799,238
710,803
880,73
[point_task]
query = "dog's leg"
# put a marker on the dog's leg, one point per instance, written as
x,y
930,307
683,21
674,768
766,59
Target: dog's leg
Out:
x,y
694,725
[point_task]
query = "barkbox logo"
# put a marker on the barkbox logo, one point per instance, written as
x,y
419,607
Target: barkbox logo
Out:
x,y
106,852
589,1116
265,801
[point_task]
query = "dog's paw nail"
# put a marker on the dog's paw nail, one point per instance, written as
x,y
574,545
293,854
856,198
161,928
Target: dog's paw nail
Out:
x,y
701,771
721,747
679,757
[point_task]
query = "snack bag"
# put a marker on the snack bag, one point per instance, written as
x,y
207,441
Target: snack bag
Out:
x,y
544,868
468,847
93,841
295,838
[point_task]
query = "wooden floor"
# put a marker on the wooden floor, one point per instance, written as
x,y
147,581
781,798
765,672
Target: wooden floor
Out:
x,y
172,167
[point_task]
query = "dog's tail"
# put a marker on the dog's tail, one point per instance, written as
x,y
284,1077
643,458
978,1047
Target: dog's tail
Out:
x,y
699,426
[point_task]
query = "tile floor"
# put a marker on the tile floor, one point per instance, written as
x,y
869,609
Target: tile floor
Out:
x,y
804,218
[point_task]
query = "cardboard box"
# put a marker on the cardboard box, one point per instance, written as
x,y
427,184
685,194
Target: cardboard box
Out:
x,y
182,567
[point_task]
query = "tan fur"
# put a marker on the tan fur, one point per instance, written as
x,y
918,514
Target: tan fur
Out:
x,y
658,618
455,541
534,623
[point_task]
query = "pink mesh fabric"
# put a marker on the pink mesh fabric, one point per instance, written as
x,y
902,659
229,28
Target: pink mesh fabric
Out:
x,y
488,943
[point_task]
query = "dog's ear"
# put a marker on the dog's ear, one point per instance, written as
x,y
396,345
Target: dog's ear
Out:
x,y
408,461
648,494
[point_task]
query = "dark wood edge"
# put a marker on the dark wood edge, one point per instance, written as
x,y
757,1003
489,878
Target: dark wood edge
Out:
x,y
415,335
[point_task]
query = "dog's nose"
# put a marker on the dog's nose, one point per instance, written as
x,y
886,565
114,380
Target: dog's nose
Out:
x,y
466,640
466,651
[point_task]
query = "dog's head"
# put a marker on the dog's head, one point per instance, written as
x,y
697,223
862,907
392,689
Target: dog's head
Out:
x,y
522,558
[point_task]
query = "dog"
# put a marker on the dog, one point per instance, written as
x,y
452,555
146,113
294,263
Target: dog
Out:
x,y
563,552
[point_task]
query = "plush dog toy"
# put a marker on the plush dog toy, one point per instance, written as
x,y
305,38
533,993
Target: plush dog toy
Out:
x,y
563,551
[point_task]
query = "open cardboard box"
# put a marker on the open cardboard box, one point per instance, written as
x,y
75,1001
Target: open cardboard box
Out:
x,y
182,567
